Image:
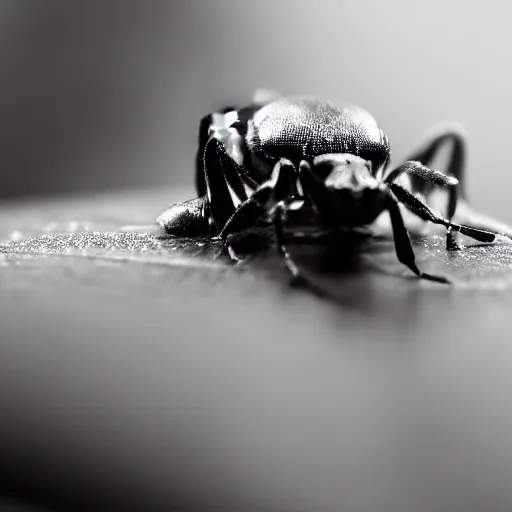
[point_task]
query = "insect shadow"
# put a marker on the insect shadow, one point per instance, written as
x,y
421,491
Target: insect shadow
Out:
x,y
356,270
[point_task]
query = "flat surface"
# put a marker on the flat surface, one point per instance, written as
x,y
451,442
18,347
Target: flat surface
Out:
x,y
134,372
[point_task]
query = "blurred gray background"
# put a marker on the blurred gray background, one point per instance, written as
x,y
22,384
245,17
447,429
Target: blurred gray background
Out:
x,y
398,401
107,94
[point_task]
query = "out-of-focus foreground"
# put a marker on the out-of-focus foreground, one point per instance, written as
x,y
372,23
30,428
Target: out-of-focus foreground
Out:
x,y
129,381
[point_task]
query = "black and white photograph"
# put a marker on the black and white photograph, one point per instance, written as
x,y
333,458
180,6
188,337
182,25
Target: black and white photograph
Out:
x,y
255,256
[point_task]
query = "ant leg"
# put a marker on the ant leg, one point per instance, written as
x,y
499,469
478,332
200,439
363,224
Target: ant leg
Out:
x,y
223,178
403,245
204,133
298,277
420,209
447,133
247,214
466,215
441,135
223,181
454,135
277,220
316,193
422,173
281,186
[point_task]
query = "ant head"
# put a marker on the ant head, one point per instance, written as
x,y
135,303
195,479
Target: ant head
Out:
x,y
344,171
345,187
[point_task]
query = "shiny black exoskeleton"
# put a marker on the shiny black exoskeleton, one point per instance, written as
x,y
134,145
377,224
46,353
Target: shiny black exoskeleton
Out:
x,y
326,160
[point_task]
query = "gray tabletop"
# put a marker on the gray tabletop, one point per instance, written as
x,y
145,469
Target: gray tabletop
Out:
x,y
135,371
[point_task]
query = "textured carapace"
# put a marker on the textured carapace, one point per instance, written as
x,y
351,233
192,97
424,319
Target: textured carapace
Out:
x,y
301,128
